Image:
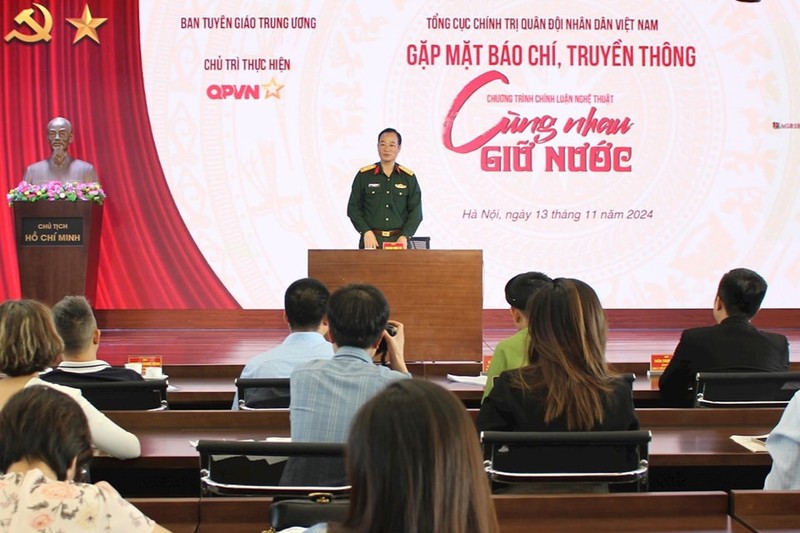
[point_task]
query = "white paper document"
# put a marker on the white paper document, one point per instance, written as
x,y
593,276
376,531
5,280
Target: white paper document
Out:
x,y
754,443
473,380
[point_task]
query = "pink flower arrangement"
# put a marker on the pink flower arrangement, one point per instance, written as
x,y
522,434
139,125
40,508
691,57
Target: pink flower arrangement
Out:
x,y
71,191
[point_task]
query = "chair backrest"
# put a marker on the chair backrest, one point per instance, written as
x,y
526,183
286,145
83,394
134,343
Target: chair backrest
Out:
x,y
148,395
237,468
571,456
745,389
263,393
305,512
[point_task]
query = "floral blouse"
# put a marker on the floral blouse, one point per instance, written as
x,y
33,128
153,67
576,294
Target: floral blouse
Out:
x,y
33,502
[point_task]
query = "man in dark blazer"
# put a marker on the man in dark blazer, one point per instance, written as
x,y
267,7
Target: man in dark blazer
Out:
x,y
733,345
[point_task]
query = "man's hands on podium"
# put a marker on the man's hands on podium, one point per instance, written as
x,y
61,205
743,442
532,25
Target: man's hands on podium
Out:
x,y
394,347
370,241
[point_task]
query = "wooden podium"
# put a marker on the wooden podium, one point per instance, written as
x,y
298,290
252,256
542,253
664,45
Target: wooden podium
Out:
x,y
436,294
57,248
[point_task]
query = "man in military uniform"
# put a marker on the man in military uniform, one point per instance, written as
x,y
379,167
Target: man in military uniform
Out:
x,y
385,202
60,166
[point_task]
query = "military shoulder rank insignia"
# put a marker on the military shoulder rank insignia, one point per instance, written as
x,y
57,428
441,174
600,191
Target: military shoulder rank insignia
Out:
x,y
406,170
368,167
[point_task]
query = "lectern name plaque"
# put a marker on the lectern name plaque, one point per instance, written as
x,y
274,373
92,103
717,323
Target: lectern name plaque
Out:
x,y
52,231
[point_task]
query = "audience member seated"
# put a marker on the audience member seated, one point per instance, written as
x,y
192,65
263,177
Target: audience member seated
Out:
x,y
512,352
304,310
29,344
783,445
77,327
415,465
327,393
733,345
44,444
566,385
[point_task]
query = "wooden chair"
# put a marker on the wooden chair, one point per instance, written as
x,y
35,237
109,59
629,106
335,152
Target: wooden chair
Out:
x,y
571,457
148,395
745,389
237,468
263,393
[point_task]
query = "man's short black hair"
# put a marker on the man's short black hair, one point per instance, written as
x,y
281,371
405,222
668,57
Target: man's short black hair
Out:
x,y
75,323
742,291
357,315
305,303
520,288
392,130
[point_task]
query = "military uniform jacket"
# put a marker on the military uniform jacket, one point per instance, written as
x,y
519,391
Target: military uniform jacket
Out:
x,y
385,202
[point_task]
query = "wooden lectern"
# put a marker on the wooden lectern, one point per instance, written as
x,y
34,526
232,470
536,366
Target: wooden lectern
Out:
x,y
57,248
436,294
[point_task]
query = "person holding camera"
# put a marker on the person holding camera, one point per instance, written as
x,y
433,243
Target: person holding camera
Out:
x,y
326,394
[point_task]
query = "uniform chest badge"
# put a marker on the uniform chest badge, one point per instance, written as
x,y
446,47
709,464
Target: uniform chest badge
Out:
x,y
374,185
401,186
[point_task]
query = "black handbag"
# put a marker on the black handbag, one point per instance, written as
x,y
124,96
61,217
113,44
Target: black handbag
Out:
x,y
305,512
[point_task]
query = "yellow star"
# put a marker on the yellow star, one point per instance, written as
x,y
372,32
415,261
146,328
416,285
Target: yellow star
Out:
x,y
87,26
272,89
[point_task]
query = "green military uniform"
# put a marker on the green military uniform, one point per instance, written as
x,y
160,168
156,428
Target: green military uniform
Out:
x,y
391,206
509,353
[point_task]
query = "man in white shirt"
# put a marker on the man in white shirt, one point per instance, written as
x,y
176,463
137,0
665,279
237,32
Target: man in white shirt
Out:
x,y
783,444
304,306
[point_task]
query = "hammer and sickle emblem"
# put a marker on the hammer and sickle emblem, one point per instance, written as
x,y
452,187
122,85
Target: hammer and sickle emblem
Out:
x,y
40,33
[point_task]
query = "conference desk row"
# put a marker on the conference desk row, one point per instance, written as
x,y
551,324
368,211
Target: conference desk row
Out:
x,y
691,449
739,511
212,386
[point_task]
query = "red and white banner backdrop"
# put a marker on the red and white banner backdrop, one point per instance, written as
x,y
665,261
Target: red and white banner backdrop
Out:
x,y
645,147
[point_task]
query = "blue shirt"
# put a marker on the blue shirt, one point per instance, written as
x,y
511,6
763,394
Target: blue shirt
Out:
x,y
296,350
327,394
783,444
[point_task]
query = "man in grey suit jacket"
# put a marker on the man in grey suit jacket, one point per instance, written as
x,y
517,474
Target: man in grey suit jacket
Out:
x,y
732,345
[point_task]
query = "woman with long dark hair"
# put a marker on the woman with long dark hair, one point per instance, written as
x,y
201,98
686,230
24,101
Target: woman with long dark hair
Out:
x,y
415,464
566,384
